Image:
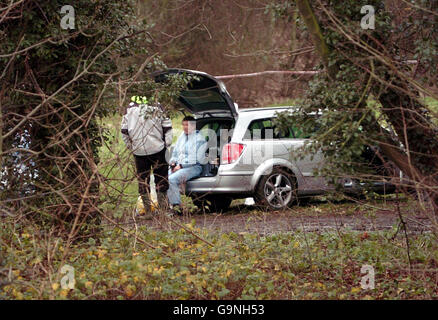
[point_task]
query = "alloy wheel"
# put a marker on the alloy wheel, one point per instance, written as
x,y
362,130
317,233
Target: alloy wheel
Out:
x,y
278,190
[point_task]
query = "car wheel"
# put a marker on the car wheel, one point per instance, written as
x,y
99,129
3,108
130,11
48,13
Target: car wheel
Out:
x,y
276,190
212,203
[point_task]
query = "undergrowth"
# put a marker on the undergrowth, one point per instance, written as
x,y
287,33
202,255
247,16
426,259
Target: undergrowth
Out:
x,y
177,265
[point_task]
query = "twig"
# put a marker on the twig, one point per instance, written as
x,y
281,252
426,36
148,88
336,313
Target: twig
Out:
x,y
256,74
405,231
190,231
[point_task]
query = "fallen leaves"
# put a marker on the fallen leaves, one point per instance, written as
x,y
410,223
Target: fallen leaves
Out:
x,y
298,266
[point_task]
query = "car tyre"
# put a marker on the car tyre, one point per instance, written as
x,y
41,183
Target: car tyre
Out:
x,y
276,190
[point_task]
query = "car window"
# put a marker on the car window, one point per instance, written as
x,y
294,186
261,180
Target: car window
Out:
x,y
219,127
262,129
204,99
209,126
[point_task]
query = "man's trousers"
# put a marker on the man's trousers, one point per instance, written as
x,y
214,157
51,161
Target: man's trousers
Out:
x,y
145,164
179,177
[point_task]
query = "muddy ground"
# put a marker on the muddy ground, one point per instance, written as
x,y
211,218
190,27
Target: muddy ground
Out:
x,y
314,215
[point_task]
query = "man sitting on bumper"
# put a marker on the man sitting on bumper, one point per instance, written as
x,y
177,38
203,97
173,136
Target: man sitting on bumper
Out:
x,y
186,160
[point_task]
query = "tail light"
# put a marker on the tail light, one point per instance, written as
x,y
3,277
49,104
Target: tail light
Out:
x,y
231,152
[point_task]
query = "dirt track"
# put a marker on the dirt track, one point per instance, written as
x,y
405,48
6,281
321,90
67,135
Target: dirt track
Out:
x,y
314,216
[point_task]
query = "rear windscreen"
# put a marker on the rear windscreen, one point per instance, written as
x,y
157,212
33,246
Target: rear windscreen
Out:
x,y
204,99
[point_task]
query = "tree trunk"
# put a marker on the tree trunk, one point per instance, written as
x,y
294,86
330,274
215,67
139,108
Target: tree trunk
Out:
x,y
315,31
420,140
421,161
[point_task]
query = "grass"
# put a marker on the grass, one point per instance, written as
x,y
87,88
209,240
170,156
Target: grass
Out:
x,y
117,166
433,106
283,103
432,103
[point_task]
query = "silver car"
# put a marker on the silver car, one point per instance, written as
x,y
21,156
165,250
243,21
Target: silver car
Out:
x,y
247,156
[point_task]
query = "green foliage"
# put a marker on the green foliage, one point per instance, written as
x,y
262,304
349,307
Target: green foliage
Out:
x,y
239,266
366,61
334,117
69,79
71,67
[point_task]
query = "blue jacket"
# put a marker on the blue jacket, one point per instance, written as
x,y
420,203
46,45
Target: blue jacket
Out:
x,y
190,150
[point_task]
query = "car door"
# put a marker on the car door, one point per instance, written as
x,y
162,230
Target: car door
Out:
x,y
295,141
204,95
